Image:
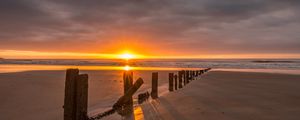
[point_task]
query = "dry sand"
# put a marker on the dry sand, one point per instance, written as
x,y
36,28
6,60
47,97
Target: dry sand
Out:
x,y
38,95
231,96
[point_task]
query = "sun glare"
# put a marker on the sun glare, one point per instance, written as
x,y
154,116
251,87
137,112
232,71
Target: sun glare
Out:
x,y
127,67
127,56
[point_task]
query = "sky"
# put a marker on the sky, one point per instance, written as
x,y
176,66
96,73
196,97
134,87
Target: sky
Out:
x,y
153,28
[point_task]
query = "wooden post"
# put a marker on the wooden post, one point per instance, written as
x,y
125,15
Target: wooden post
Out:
x,y
127,97
76,95
180,73
191,75
154,92
184,77
142,97
187,75
175,79
70,91
194,73
128,83
127,80
171,75
81,96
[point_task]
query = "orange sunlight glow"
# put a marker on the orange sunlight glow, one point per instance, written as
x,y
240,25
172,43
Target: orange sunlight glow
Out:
x,y
127,56
127,68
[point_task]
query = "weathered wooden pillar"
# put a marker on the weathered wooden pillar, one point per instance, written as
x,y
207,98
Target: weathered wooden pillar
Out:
x,y
175,79
128,95
171,75
180,79
187,75
194,74
70,91
154,91
122,106
127,80
184,77
190,76
81,96
128,83
76,95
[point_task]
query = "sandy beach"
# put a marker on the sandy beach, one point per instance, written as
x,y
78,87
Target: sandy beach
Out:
x,y
123,59
36,95
221,95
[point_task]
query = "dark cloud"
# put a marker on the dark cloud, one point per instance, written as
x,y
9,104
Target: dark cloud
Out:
x,y
214,26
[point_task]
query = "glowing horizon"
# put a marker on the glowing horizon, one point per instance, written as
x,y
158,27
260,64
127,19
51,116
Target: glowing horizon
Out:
x,y
15,54
127,56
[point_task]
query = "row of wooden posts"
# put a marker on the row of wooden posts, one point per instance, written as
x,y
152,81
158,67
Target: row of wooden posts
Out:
x,y
76,96
176,81
76,92
183,77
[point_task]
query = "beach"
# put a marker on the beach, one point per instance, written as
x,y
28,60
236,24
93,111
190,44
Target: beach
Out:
x,y
221,95
125,59
35,95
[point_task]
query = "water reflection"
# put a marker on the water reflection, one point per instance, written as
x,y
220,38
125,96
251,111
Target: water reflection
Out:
x,y
127,68
20,68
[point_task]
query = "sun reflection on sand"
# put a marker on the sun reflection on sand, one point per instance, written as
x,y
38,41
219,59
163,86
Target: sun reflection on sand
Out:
x,y
138,113
127,68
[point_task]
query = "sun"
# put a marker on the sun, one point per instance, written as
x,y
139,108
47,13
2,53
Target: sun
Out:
x,y
126,56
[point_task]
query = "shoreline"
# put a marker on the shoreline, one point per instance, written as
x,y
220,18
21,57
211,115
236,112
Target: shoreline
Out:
x,y
15,68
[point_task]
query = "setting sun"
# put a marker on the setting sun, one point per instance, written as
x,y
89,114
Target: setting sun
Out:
x,y
127,56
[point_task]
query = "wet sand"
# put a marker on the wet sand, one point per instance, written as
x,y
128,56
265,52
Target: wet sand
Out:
x,y
221,95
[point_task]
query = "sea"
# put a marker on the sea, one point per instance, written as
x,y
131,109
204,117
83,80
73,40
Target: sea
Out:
x,y
291,66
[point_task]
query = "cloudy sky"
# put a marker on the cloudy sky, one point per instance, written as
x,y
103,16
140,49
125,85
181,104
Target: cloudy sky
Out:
x,y
152,27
